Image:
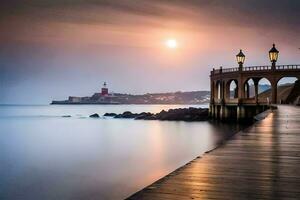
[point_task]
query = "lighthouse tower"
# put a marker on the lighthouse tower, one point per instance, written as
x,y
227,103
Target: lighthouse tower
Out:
x,y
104,89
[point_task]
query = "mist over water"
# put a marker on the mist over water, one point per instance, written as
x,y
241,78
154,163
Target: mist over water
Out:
x,y
46,156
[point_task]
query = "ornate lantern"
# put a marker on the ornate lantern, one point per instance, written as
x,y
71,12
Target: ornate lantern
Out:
x,y
273,54
240,57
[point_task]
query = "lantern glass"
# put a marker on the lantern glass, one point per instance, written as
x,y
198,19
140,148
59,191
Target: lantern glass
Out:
x,y
273,54
240,57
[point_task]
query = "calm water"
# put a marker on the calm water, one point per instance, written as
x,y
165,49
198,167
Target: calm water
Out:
x,y
46,156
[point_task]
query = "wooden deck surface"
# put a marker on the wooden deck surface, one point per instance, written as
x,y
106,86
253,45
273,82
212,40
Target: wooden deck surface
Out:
x,y
261,162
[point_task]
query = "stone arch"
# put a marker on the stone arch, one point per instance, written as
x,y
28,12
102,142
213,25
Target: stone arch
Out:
x,y
287,89
265,90
249,88
288,76
231,89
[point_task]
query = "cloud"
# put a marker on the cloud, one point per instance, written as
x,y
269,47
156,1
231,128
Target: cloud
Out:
x,y
84,20
134,22
272,13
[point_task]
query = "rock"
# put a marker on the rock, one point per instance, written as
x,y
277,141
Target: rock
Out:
x,y
94,115
144,115
127,115
184,114
180,114
110,114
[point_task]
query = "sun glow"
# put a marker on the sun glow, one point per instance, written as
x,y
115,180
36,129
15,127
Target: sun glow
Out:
x,y
171,43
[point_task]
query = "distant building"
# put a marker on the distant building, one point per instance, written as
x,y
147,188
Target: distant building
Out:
x,y
104,90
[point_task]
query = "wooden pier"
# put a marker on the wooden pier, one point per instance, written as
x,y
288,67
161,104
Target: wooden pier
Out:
x,y
261,162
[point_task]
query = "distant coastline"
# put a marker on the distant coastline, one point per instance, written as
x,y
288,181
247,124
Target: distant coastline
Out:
x,y
105,97
192,98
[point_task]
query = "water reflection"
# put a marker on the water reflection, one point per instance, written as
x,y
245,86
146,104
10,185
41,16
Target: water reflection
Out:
x,y
74,158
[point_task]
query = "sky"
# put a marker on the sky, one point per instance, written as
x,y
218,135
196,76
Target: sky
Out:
x,y
50,49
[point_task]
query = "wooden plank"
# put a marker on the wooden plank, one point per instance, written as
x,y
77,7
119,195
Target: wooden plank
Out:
x,y
261,162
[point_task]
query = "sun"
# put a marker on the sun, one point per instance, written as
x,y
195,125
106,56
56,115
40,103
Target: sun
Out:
x,y
171,43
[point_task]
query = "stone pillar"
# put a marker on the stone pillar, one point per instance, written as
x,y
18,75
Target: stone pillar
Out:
x,y
211,110
216,112
224,113
248,92
218,90
240,89
227,90
256,89
211,104
240,113
274,92
236,91
215,91
240,83
222,90
212,90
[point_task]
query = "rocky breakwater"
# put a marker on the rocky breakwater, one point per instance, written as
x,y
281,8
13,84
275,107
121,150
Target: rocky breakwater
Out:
x,y
180,114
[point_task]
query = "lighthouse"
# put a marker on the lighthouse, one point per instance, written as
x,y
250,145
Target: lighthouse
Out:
x,y
104,90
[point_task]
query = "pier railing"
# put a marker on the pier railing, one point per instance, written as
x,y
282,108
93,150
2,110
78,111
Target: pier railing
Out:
x,y
287,67
255,68
226,70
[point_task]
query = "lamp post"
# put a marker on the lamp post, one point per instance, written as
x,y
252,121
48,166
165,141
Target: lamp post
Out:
x,y
273,55
240,57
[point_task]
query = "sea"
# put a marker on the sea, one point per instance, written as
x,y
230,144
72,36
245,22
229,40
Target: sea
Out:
x,y
46,155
